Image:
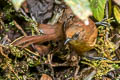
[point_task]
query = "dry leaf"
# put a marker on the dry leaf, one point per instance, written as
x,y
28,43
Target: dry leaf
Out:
x,y
45,77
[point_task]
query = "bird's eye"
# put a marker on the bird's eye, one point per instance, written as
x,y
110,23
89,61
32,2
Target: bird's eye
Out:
x,y
76,35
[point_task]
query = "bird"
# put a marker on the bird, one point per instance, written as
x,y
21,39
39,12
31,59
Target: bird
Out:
x,y
81,37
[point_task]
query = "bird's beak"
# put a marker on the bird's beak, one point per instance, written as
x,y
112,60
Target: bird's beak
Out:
x,y
67,40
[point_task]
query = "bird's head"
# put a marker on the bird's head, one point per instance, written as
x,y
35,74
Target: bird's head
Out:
x,y
73,34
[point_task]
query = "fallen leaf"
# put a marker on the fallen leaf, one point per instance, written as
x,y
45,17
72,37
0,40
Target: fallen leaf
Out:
x,y
45,77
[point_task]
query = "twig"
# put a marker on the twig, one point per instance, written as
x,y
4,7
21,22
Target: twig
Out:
x,y
1,51
23,12
107,14
10,67
19,27
31,52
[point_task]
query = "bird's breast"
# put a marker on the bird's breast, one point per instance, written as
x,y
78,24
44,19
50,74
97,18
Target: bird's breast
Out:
x,y
80,46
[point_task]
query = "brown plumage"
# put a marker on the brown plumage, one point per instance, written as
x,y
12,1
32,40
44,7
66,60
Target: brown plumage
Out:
x,y
81,37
